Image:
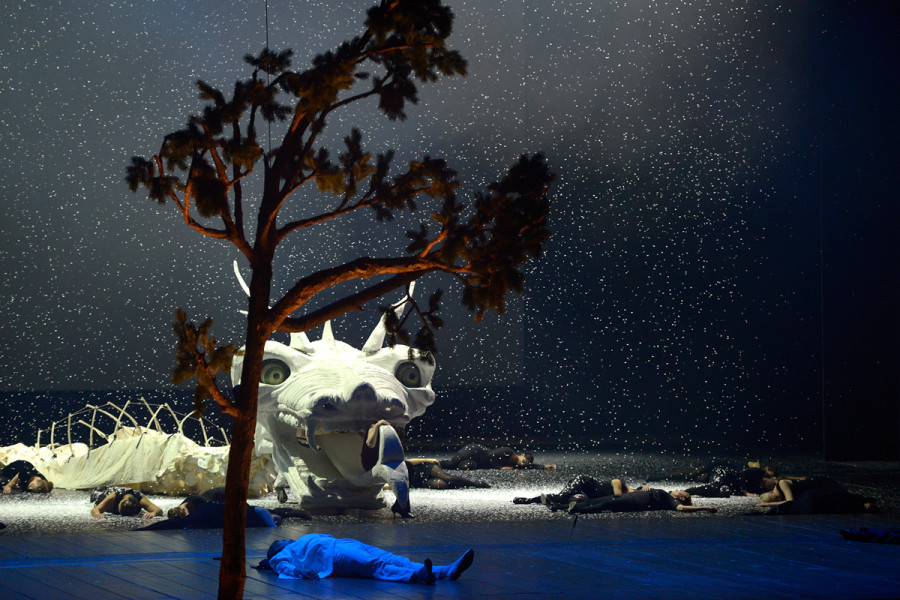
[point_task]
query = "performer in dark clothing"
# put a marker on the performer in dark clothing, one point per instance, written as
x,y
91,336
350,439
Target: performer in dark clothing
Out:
x,y
121,501
721,480
318,555
194,501
211,515
476,456
816,495
207,511
581,487
651,499
21,475
427,473
724,480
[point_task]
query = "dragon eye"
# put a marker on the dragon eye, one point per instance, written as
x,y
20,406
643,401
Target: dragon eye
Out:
x,y
274,372
408,374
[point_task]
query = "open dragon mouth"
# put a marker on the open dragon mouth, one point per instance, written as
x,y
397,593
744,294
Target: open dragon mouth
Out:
x,y
368,453
328,419
304,439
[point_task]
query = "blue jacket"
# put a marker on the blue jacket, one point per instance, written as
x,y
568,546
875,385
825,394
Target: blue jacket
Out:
x,y
311,553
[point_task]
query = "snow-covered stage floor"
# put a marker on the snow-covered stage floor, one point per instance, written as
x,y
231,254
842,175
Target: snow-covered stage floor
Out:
x,y
54,549
68,511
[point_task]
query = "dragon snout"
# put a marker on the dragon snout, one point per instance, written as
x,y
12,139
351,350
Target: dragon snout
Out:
x,y
385,407
363,404
351,409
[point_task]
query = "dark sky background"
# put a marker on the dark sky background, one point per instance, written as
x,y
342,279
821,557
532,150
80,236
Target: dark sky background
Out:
x,y
724,266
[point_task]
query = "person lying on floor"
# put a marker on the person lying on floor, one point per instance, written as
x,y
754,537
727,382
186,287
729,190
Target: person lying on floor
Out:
x,y
195,501
815,495
122,501
578,488
721,480
476,456
211,515
21,475
643,500
319,555
427,473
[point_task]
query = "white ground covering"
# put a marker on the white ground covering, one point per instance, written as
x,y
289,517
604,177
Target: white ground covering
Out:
x,y
69,511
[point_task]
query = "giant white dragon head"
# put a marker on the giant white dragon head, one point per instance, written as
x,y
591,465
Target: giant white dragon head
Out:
x,y
318,400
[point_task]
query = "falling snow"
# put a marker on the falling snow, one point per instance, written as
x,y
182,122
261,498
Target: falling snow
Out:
x,y
675,301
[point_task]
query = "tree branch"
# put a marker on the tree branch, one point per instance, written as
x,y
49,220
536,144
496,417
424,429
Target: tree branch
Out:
x,y
224,405
430,246
348,303
365,201
185,210
361,268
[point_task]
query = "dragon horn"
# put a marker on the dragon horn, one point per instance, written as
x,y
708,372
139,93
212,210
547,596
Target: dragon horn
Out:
x,y
376,338
327,333
300,342
244,286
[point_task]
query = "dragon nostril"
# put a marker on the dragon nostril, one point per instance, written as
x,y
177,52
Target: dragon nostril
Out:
x,y
364,393
324,403
394,405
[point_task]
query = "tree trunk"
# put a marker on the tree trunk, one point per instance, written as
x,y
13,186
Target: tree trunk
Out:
x,y
232,571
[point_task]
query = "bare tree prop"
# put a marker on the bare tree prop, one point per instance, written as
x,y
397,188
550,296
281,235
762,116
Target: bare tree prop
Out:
x,y
202,169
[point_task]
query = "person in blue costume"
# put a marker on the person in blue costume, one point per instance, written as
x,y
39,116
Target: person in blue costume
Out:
x,y
319,555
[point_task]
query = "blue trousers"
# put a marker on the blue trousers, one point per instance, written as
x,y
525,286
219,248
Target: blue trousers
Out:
x,y
353,558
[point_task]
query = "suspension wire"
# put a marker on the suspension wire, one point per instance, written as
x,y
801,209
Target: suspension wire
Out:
x,y
822,298
822,362
571,533
268,122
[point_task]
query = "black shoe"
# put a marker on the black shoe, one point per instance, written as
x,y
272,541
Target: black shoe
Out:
x,y
463,563
281,494
403,511
425,575
521,500
553,499
548,501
